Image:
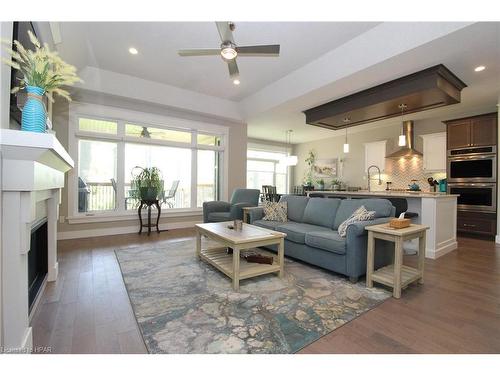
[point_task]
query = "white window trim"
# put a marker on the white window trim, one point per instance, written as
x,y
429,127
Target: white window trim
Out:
x,y
122,116
271,148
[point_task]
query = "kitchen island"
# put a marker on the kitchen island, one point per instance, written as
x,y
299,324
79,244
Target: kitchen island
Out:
x,y
437,210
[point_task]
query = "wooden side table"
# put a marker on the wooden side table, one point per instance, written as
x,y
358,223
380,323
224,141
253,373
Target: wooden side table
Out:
x,y
246,214
148,204
396,275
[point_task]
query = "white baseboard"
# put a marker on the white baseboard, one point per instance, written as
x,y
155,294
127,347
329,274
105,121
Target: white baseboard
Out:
x,y
86,233
445,248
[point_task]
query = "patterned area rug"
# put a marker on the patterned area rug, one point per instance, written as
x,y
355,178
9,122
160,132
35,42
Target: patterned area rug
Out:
x,y
184,305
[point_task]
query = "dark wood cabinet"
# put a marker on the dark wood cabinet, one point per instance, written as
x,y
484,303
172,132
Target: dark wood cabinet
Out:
x,y
484,130
459,135
477,223
472,131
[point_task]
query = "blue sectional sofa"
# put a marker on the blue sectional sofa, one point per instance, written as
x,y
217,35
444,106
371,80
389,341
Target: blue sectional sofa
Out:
x,y
312,234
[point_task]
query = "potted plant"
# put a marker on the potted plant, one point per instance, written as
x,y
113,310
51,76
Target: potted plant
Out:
x,y
44,73
336,184
321,184
147,183
309,175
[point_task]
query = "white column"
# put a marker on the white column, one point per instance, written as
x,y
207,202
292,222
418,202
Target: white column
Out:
x,y
17,216
440,214
52,215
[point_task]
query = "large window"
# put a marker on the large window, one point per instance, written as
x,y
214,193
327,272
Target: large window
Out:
x,y
264,168
111,151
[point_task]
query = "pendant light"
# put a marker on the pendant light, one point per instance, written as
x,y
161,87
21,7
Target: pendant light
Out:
x,y
346,145
402,137
289,160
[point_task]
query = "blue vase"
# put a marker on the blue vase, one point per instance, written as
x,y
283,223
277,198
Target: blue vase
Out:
x,y
34,117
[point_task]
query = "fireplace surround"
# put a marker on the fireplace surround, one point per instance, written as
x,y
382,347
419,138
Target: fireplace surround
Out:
x,y
33,168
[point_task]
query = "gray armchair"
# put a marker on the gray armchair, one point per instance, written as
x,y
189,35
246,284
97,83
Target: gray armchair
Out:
x,y
225,211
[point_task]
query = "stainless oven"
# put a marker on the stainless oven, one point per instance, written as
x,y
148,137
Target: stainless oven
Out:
x,y
481,197
475,164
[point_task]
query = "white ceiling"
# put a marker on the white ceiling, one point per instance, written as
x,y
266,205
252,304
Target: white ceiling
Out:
x,y
319,62
105,45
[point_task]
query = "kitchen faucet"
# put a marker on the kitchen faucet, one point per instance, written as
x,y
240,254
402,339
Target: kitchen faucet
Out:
x,y
368,173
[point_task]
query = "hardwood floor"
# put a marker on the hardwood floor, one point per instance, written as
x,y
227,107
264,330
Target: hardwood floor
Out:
x,y
457,310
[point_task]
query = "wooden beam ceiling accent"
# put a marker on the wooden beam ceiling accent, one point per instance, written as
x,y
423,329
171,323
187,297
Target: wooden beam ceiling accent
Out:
x,y
430,88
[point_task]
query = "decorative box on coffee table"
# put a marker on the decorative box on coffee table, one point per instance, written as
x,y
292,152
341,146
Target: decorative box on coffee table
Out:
x,y
396,275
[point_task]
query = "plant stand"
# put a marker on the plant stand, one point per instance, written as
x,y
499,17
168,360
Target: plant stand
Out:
x,y
148,204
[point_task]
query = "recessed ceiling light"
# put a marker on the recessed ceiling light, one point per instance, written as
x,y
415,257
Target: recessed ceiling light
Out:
x,y
236,81
479,68
133,51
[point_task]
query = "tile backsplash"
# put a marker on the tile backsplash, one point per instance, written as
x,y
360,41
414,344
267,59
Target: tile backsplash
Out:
x,y
401,172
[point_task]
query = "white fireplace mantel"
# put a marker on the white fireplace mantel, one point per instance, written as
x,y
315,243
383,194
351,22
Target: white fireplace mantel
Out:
x,y
33,167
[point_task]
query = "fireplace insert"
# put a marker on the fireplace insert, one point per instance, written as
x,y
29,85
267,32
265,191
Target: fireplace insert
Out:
x,y
37,261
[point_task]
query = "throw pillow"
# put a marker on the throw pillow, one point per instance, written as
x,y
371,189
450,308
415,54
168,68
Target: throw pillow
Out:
x,y
275,211
361,214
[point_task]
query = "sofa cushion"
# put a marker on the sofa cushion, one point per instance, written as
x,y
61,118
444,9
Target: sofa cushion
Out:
x,y
295,206
321,211
296,232
382,208
219,216
267,224
327,240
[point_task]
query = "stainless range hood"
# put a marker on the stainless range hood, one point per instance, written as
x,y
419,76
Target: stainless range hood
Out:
x,y
409,150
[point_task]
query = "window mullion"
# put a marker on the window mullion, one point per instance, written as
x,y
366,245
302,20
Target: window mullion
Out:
x,y
194,178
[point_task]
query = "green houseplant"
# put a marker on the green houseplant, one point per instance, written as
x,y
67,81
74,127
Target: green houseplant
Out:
x,y
43,73
146,183
321,184
309,174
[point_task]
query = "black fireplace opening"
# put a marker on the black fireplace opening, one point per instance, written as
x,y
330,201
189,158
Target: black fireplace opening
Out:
x,y
37,261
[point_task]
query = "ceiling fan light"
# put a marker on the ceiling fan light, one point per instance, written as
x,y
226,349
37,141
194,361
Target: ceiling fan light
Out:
x,y
346,148
236,81
228,53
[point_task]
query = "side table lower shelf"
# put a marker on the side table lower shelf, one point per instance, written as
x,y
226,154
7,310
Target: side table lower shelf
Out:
x,y
385,275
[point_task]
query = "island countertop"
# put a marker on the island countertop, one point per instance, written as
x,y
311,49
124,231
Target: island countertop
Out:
x,y
384,193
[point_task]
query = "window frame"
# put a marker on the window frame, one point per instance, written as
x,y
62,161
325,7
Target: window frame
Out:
x,y
121,117
253,147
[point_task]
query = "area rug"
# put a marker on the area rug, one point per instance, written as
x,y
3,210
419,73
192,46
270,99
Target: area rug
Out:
x,y
183,305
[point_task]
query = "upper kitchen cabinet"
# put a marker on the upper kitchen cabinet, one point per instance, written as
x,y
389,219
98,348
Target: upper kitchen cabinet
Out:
x,y
434,147
472,131
375,154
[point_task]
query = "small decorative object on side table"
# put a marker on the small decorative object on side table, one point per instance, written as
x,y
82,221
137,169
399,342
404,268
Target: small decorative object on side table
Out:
x,y
395,275
148,204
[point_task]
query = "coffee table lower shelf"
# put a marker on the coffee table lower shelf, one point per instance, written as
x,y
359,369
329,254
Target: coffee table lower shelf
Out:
x,y
220,259
385,275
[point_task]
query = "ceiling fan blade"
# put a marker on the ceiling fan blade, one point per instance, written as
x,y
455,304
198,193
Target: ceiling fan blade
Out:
x,y
225,33
199,52
233,68
264,50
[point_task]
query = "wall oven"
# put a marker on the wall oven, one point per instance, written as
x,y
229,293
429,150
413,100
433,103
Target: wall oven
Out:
x,y
481,197
475,164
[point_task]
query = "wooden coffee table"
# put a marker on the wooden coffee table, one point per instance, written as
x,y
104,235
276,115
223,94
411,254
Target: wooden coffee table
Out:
x,y
250,236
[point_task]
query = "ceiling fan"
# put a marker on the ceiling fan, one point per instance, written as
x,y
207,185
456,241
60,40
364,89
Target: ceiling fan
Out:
x,y
229,50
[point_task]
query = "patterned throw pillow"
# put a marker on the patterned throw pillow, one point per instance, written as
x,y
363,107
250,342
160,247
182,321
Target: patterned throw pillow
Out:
x,y
275,211
361,214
